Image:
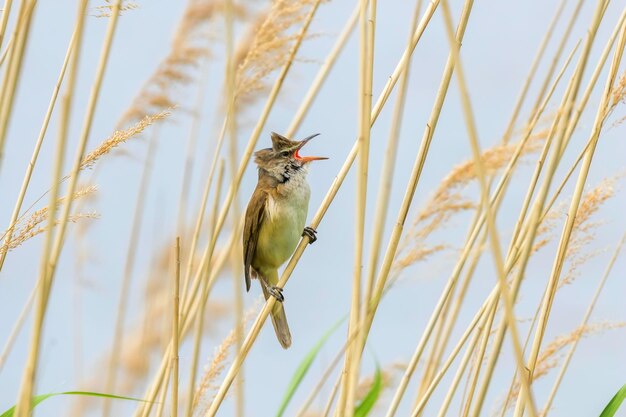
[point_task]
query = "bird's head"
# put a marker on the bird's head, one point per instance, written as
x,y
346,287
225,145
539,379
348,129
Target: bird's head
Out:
x,y
283,159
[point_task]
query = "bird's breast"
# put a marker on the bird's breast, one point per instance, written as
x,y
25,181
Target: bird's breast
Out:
x,y
285,218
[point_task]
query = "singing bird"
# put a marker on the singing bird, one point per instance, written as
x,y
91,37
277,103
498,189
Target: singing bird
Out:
x,y
275,220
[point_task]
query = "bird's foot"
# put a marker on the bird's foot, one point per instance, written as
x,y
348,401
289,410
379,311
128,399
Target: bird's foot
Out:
x,y
277,293
311,233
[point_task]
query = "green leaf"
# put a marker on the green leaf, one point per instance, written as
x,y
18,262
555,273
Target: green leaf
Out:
x,y
39,398
303,368
613,405
366,405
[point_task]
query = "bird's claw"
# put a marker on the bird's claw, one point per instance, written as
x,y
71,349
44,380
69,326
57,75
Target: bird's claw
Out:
x,y
277,293
310,233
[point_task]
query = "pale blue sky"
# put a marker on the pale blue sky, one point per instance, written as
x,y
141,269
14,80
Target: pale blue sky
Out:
x,y
499,46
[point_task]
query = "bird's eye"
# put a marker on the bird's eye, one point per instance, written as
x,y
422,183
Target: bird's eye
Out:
x,y
284,153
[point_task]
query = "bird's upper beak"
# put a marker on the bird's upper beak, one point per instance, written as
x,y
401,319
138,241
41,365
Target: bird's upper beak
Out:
x,y
307,158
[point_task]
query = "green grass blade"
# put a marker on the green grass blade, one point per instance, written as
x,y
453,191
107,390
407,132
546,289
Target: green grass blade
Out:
x,y
303,368
613,405
366,405
40,398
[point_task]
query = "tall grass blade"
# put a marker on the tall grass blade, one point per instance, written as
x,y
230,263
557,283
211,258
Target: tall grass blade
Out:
x,y
303,368
40,398
368,402
614,404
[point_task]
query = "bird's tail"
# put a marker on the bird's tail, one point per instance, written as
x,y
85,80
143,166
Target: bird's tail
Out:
x,y
279,319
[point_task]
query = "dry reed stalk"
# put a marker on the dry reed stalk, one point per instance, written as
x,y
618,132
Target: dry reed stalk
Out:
x,y
445,202
331,398
583,324
447,199
520,252
200,216
459,374
532,71
387,171
189,311
491,299
423,400
233,154
6,11
449,316
51,252
252,334
551,355
318,387
145,338
129,266
175,332
163,396
71,82
4,53
352,365
595,75
581,235
38,143
572,126
205,288
572,212
190,151
408,197
201,399
494,238
557,55
504,180
475,228
618,95
13,71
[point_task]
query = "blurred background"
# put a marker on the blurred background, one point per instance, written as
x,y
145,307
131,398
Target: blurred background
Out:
x,y
499,46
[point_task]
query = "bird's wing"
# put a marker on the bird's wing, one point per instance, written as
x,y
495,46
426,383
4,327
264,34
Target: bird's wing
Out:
x,y
251,229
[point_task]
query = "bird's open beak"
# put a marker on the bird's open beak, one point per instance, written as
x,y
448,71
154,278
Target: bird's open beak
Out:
x,y
307,158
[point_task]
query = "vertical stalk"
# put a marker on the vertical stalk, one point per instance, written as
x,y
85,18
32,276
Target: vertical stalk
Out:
x,y
386,175
51,252
6,11
176,332
487,208
117,345
531,73
584,322
350,377
13,71
205,289
233,154
571,217
38,143
520,246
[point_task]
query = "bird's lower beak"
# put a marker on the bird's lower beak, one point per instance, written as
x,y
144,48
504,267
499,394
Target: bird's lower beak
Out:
x,y
307,158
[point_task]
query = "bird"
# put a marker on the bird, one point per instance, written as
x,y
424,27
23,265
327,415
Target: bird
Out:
x,y
275,220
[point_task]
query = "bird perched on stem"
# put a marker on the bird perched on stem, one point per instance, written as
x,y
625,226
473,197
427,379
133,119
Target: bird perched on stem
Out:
x,y
275,220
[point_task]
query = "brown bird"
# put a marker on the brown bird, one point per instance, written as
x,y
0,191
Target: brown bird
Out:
x,y
275,220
